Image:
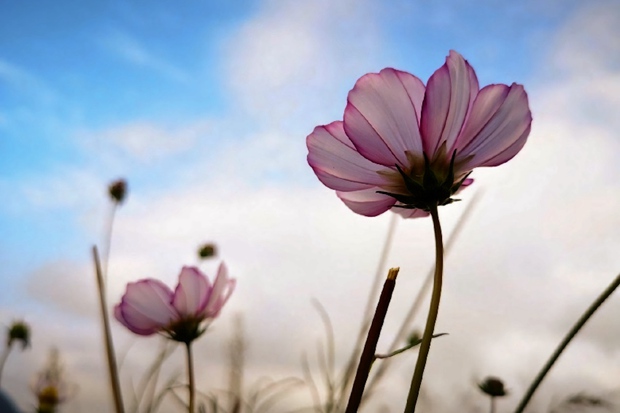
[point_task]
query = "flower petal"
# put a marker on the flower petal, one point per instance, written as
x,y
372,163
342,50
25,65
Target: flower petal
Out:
x,y
497,127
367,202
220,292
192,292
410,213
337,163
382,116
146,307
450,92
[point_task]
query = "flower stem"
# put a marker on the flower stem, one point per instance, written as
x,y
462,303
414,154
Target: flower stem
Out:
x,y
5,355
109,345
416,381
571,334
417,302
190,376
108,242
492,404
368,353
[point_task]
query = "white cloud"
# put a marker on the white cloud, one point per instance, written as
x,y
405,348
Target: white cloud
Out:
x,y
281,60
143,141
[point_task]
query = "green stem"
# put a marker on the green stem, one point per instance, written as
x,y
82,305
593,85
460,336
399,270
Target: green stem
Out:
x,y
571,334
417,302
407,347
368,353
190,375
109,345
416,381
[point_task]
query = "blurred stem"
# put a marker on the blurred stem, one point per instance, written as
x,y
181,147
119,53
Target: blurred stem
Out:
x,y
571,334
492,404
5,355
109,345
108,242
416,381
348,373
190,375
367,357
407,347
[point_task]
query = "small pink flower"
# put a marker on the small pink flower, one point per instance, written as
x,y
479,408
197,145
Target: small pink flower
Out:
x,y
408,145
149,306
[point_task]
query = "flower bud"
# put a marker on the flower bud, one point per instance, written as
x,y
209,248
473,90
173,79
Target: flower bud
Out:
x,y
118,190
207,250
493,386
414,338
19,331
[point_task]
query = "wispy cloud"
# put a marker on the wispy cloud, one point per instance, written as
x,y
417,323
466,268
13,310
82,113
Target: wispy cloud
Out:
x,y
143,141
26,82
132,50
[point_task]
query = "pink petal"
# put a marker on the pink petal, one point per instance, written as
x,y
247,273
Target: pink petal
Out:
x,y
382,116
221,291
337,163
497,127
367,202
192,292
410,213
450,93
146,307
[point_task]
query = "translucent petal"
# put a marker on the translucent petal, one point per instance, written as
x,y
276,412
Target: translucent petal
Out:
x,y
337,163
382,116
367,202
192,292
450,93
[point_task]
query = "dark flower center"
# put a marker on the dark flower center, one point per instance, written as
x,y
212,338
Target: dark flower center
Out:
x,y
428,190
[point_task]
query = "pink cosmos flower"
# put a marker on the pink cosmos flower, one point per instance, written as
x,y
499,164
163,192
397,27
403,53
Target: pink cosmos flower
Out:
x,y
149,306
412,146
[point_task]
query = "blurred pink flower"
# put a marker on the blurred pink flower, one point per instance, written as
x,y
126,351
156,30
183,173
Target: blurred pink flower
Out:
x,y
408,145
149,306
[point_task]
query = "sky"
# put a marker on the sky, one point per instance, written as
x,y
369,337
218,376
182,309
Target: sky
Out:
x,y
204,108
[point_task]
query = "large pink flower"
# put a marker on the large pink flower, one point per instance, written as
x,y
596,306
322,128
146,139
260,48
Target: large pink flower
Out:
x,y
149,306
412,146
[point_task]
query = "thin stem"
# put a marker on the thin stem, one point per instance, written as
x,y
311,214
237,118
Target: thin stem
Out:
x,y
108,242
363,369
417,303
571,334
407,347
416,381
190,376
5,355
492,404
109,345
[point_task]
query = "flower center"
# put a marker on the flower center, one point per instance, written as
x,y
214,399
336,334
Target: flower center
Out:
x,y
432,187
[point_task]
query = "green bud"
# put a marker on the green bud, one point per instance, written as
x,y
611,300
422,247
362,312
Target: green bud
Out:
x,y
207,250
19,331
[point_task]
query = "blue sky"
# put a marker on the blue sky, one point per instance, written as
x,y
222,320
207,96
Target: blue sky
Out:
x,y
84,67
204,107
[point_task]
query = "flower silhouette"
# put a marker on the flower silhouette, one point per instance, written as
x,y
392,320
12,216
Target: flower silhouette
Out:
x,y
407,145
